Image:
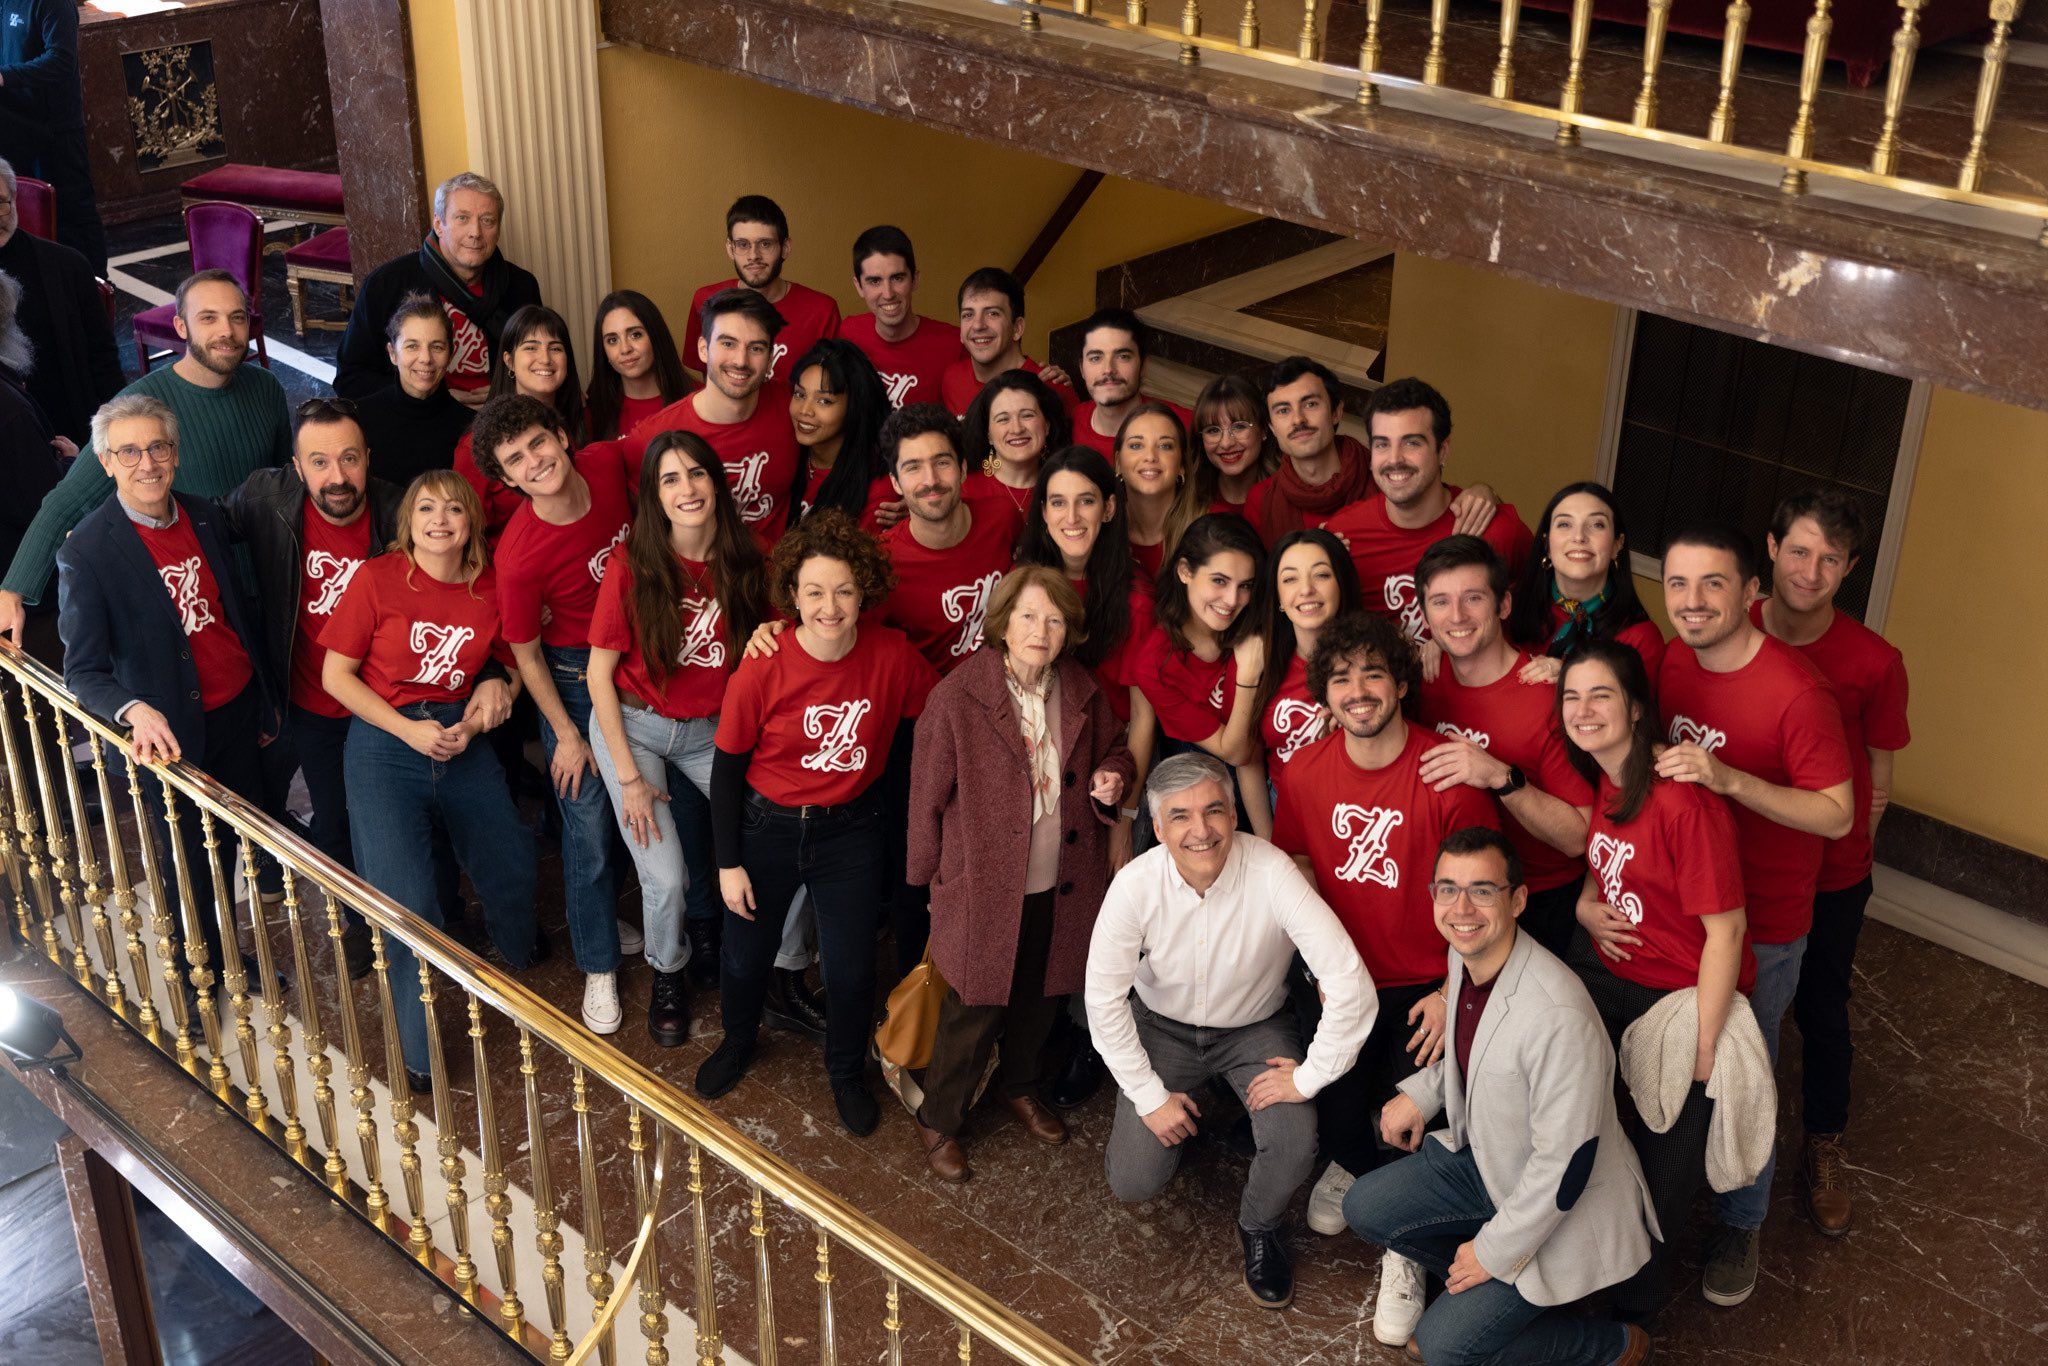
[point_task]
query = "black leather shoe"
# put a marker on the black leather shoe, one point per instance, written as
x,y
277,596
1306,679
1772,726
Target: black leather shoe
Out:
x,y
1267,1273
705,941
1080,1078
724,1068
857,1108
420,1082
668,1009
791,1006
355,952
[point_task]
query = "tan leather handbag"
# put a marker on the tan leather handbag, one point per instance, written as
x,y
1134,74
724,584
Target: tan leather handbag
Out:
x,y
905,1035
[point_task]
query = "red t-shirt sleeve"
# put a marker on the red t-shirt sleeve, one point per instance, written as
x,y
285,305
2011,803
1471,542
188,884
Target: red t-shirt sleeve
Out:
x,y
1884,718
1288,834
1816,752
348,631
1513,540
518,601
917,679
1469,806
611,623
1182,717
1556,776
739,714
1702,842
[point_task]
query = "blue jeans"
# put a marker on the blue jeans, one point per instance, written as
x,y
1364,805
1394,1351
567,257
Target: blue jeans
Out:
x,y
671,756
1423,1207
1777,982
398,797
590,881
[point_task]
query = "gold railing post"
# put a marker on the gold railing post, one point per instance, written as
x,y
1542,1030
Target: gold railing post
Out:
x,y
709,1342
360,1097
1504,69
1190,27
195,941
448,1141
124,892
1884,158
1572,99
966,1353
892,1323
497,1204
1084,8
15,835
160,920
233,976
275,1028
56,849
1721,127
1988,80
1800,144
319,1066
1433,62
1310,47
1369,54
1029,19
764,1283
597,1256
546,1218
828,1329
1653,56
88,857
653,1313
404,1128
1248,25
1134,12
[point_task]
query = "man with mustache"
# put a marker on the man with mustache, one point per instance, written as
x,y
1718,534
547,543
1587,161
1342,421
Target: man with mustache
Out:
x,y
757,241
232,421
1114,345
1321,472
992,334
910,352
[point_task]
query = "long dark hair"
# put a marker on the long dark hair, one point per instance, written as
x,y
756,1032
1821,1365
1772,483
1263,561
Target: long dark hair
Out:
x,y
1528,622
739,574
1205,539
851,375
1639,772
1059,428
568,400
1107,608
607,394
1266,601
1219,396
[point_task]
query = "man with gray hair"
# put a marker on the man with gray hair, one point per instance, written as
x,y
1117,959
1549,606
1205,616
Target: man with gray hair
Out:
x,y
77,365
459,263
1204,927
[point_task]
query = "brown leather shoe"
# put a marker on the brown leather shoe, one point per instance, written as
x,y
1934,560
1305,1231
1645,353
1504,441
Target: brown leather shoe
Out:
x,y
1412,1351
1827,1183
943,1154
1043,1124
1635,1347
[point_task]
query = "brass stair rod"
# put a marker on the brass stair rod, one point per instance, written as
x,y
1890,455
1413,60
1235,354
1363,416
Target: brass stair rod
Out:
x,y
1504,69
1884,158
1800,145
1721,127
1993,75
1645,114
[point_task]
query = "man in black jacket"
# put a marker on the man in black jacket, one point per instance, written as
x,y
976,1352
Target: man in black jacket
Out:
x,y
459,264
76,366
42,115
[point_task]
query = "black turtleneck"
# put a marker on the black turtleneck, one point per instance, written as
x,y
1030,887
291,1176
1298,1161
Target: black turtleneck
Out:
x,y
409,436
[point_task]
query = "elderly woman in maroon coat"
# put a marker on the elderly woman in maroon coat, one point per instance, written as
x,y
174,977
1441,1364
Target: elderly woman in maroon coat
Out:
x,y
1019,767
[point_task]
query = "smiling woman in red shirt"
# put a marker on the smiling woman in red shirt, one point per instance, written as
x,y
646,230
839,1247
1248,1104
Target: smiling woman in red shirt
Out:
x,y
1237,449
837,406
636,370
1578,586
536,359
1158,496
1011,425
407,652
804,733
1309,583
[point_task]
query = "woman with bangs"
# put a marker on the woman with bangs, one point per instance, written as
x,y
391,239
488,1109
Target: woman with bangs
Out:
x,y
641,371
1157,496
837,405
690,582
1230,422
1011,425
416,651
537,359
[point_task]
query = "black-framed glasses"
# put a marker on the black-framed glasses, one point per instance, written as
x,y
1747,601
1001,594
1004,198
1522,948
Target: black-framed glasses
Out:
x,y
1484,895
159,452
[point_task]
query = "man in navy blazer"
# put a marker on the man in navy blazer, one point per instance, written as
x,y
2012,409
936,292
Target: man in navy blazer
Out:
x,y
156,635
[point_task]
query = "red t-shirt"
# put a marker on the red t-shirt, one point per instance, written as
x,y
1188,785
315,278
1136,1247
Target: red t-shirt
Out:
x,y
332,555
469,352
1191,696
1516,722
500,500
1868,675
217,652
419,641
703,664
1371,837
941,596
548,575
808,317
986,487
1113,675
1293,720
634,411
1673,863
1386,554
1643,635
820,732
1775,718
759,453
958,386
1086,435
880,491
913,370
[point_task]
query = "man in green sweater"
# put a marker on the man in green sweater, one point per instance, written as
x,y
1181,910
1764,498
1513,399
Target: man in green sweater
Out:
x,y
231,422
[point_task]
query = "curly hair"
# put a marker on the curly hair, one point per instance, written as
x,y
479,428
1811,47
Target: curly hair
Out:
x,y
508,417
1374,639
829,534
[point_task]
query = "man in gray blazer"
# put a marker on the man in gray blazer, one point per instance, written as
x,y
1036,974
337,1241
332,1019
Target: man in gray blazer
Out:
x,y
1531,1197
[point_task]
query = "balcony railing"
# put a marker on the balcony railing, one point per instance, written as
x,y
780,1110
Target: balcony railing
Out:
x,y
320,1076
1429,79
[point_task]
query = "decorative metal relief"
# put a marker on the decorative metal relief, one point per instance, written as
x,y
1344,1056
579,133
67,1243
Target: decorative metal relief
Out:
x,y
173,106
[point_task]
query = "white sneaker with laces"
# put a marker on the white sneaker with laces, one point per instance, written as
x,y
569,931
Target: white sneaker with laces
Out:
x,y
1400,1303
1326,1201
601,1002
630,938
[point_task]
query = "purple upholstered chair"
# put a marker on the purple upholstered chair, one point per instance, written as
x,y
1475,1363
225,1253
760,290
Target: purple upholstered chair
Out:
x,y
222,237
35,205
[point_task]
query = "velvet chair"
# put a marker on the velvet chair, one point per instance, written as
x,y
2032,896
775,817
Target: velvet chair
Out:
x,y
35,207
222,237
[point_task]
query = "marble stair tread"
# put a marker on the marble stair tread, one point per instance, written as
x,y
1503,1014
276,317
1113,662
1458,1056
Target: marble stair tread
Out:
x,y
1260,338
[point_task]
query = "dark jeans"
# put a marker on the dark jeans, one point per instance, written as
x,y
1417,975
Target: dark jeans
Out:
x,y
1423,1207
1348,1109
691,811
835,853
1551,916
966,1033
319,742
590,881
399,797
232,759
1821,1006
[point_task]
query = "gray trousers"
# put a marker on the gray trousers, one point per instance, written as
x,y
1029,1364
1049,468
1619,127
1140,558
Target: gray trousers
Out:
x,y
1185,1057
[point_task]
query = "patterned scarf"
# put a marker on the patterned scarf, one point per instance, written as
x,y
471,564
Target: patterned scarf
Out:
x,y
1577,626
1042,753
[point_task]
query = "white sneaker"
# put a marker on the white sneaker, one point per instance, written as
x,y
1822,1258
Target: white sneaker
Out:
x,y
1400,1303
1326,1201
600,1002
630,939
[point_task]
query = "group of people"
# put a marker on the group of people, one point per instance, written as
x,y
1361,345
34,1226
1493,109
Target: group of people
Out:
x,y
1249,761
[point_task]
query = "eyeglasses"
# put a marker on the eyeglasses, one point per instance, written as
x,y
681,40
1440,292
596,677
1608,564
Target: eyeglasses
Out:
x,y
1239,430
159,453
1483,895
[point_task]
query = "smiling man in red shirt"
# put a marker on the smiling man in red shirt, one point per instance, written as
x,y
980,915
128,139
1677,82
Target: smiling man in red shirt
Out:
x,y
910,352
992,335
757,241
1113,351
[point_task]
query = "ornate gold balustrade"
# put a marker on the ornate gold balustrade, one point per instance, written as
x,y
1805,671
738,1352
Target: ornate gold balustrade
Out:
x,y
576,1149
1429,82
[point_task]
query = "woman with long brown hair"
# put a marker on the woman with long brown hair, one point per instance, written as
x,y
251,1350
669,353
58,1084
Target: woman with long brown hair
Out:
x,y
635,370
690,583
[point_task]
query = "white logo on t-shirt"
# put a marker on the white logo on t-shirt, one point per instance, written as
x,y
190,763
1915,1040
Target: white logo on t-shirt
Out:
x,y
1609,856
968,605
1686,731
472,349
603,557
1476,737
195,613
1399,590
775,358
701,644
1368,829
745,474
1297,721
898,387
836,726
1216,693
438,648
333,573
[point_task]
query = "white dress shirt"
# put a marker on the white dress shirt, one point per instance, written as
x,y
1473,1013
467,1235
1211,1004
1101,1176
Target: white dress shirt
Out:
x,y
1219,960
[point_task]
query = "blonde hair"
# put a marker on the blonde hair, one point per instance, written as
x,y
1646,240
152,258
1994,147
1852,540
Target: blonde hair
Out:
x,y
444,484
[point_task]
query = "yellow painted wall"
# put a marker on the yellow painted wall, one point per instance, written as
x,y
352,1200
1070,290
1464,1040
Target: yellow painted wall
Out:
x,y
437,67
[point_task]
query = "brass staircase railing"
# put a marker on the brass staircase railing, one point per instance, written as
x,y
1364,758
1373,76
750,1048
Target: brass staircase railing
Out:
x,y
80,899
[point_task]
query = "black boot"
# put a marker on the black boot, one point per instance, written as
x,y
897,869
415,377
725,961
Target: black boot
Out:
x,y
668,1009
1266,1271
1080,1078
790,1005
706,938
355,951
